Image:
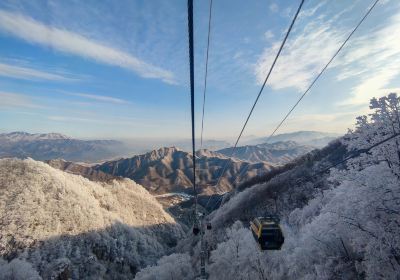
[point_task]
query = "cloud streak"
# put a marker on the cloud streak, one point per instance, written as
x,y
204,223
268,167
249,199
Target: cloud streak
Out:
x,y
101,98
125,122
15,100
25,73
69,42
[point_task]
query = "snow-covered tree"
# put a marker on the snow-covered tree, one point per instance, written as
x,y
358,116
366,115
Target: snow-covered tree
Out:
x,y
172,267
379,125
238,257
17,269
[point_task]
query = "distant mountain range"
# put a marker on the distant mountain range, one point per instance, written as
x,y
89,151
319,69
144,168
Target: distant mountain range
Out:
x,y
276,153
47,146
169,170
19,136
55,145
312,138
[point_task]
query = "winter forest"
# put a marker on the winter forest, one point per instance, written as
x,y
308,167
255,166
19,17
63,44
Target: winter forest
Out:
x,y
344,224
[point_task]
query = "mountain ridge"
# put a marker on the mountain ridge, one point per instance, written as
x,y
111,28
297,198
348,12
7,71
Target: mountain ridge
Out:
x,y
25,136
55,145
276,153
169,169
318,139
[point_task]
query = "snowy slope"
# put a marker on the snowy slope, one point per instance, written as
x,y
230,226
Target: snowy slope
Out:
x,y
68,224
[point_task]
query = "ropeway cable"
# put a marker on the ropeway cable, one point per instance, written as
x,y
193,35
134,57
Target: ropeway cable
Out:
x,y
191,62
319,75
259,93
323,70
206,73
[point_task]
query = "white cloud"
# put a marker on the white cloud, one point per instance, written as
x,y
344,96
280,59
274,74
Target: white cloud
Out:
x,y
69,42
16,100
311,11
372,59
274,7
113,121
26,73
269,35
238,55
299,63
287,12
100,98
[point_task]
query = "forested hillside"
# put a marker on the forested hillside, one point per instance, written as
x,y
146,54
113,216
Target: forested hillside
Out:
x,y
55,225
342,224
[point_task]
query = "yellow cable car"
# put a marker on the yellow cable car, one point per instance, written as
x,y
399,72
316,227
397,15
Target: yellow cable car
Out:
x,y
267,232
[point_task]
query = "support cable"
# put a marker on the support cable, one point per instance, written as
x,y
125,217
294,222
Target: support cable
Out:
x,y
323,70
355,154
206,73
191,61
317,77
259,93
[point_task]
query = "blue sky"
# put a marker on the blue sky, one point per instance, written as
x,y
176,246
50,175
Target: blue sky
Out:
x,y
119,69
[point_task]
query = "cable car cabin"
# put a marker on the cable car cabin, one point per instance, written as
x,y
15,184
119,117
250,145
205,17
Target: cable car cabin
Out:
x,y
267,232
196,230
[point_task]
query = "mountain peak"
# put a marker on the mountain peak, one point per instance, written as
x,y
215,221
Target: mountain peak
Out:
x,y
165,151
209,154
25,136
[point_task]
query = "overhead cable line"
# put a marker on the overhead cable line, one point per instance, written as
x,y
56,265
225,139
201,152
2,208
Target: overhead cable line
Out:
x,y
314,81
191,62
196,225
261,90
323,70
206,73
356,154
